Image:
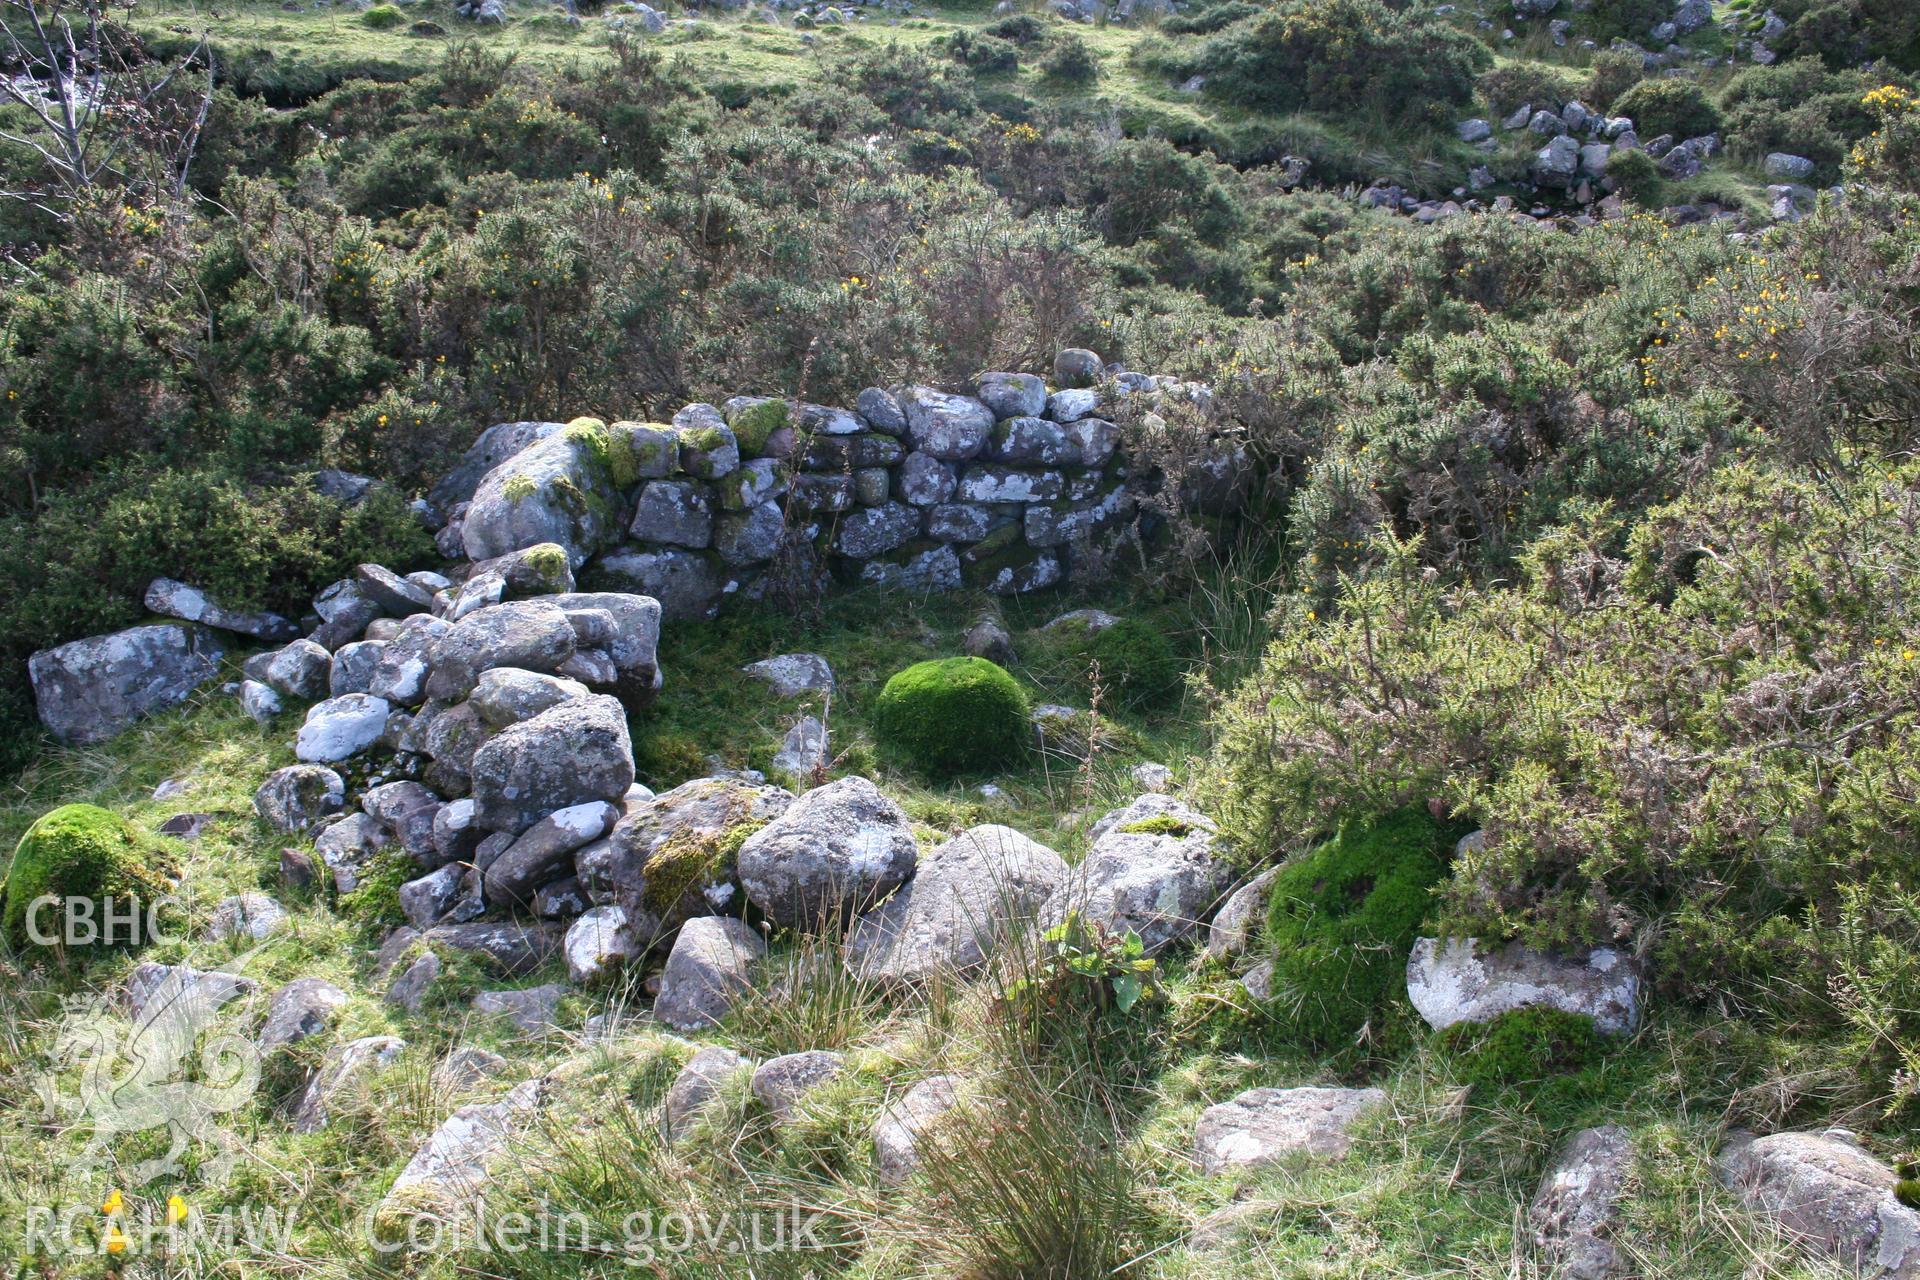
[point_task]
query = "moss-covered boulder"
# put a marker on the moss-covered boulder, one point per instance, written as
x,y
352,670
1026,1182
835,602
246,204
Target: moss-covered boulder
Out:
x,y
79,854
953,715
1341,920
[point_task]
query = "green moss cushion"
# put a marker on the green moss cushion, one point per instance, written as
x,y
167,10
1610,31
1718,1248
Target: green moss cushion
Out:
x,y
1342,919
954,715
78,851
1522,1045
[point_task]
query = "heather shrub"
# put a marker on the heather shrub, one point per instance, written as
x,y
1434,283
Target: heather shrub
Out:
x,y
1678,107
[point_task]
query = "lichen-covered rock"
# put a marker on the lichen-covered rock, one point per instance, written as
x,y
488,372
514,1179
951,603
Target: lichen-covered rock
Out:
x,y
1160,885
400,676
448,894
534,1010
687,584
339,1070
299,669
947,427
782,1084
347,846
924,480
959,521
1577,1204
671,858
675,511
1266,1126
599,945
534,635
246,915
300,795
626,628
407,809
540,570
513,949
1078,367
544,852
394,594
1032,442
171,599
914,569
873,531
790,675
698,1085
88,690
1012,395
709,968
1459,981
341,728
496,445
352,666
903,1122
756,482
570,754
1240,917
345,613
560,490
1831,1197
302,1008
447,1178
990,482
751,536
834,851
882,411
507,695
965,898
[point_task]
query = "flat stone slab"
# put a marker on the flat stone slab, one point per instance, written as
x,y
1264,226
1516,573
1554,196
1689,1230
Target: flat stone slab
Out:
x,y
1265,1126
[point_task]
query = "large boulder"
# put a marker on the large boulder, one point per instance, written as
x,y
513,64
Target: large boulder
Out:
x,y
558,490
171,599
1831,1197
496,445
576,752
1158,881
1578,1201
710,967
671,857
964,899
400,674
1265,1126
836,850
1458,980
505,696
89,690
1012,395
533,635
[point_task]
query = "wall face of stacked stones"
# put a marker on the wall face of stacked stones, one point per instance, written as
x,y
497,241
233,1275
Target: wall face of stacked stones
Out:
x,y
914,488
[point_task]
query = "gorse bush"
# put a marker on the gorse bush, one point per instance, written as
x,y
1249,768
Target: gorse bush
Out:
x,y
1344,56
1683,736
1342,918
953,715
1677,107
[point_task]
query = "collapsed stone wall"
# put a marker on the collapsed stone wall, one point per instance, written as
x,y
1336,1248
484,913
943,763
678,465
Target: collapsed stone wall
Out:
x,y
1007,489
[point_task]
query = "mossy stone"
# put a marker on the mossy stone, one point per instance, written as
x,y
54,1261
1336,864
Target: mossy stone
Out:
x,y
752,428
954,715
1341,920
80,851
